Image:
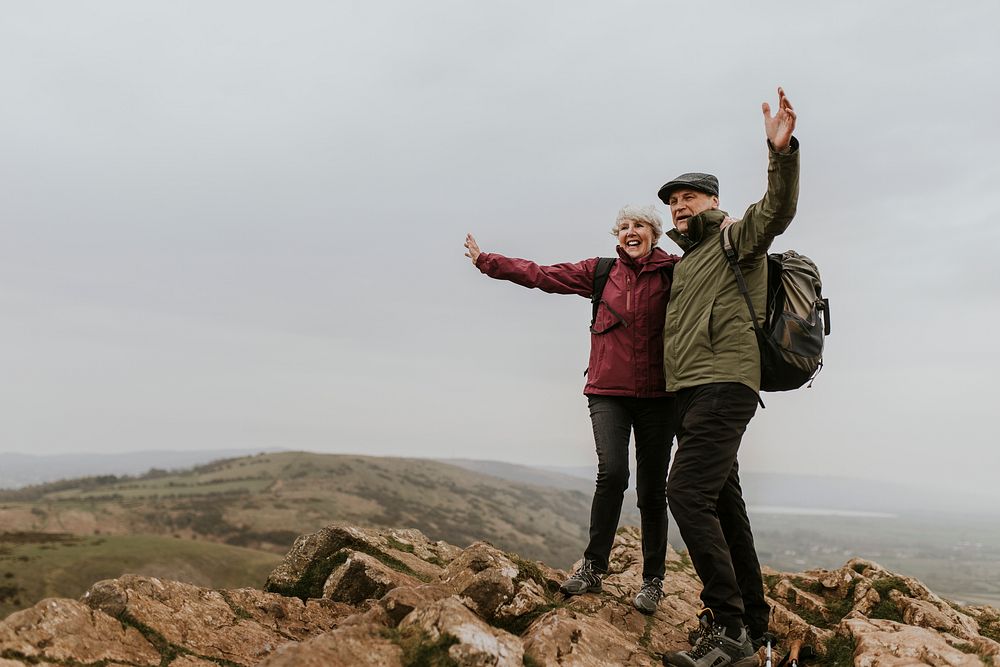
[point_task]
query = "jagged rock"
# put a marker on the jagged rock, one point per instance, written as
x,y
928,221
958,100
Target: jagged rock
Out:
x,y
884,643
566,637
498,587
790,627
797,597
479,645
484,576
313,557
401,601
288,616
59,631
362,577
188,661
350,646
401,598
207,623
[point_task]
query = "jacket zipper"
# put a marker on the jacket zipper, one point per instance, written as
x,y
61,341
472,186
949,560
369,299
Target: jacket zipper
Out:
x,y
628,293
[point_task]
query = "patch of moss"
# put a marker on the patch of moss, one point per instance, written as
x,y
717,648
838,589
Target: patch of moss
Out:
x,y
841,607
859,568
419,650
528,661
886,608
237,610
683,565
310,582
647,632
527,569
838,652
989,626
771,580
883,586
399,546
808,586
964,648
168,650
519,624
813,617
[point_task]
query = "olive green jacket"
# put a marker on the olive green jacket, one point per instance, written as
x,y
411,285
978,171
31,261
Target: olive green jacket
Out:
x,y
708,336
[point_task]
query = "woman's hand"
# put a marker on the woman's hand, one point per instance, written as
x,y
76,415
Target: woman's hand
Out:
x,y
473,248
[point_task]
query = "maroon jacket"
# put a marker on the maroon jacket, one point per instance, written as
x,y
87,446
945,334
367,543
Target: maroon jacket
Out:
x,y
626,354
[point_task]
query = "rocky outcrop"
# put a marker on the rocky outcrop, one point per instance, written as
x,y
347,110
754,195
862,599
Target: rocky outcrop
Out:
x,y
347,596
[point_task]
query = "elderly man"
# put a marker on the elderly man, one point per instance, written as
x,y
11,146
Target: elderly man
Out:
x,y
713,364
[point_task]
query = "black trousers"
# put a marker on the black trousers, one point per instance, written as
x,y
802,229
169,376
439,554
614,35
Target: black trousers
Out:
x,y
707,501
614,418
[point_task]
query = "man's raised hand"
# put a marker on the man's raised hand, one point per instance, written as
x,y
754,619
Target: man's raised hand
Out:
x,y
780,126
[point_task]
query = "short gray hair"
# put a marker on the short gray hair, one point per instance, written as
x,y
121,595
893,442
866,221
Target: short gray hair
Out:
x,y
645,214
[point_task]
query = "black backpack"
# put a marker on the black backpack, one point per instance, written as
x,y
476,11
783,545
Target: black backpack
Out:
x,y
796,320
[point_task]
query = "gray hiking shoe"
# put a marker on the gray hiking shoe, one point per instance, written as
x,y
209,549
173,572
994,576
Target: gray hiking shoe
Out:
x,y
649,595
716,649
584,580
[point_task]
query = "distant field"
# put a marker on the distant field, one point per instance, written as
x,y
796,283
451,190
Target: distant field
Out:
x,y
265,501
34,566
956,556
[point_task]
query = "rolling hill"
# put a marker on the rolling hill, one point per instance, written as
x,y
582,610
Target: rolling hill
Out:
x,y
264,501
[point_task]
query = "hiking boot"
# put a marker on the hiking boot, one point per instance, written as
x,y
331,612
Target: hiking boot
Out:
x,y
716,649
584,580
704,626
648,597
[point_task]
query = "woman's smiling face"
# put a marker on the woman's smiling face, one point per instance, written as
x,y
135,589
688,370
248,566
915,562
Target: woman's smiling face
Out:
x,y
635,238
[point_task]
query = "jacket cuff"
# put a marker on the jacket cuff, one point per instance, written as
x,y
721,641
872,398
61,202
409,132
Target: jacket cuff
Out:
x,y
793,147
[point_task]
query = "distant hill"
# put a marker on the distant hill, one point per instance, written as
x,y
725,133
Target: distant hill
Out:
x,y
17,470
265,501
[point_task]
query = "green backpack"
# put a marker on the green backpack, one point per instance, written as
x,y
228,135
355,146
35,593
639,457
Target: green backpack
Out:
x,y
796,321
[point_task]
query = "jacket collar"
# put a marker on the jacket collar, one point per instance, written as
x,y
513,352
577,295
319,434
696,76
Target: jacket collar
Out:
x,y
652,261
704,224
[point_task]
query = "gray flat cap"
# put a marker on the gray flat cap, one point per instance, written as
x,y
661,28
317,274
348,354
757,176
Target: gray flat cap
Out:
x,y
694,180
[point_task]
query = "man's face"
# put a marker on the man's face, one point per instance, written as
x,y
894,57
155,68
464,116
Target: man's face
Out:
x,y
685,203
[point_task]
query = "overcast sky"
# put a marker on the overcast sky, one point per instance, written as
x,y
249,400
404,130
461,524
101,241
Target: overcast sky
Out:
x,y
238,224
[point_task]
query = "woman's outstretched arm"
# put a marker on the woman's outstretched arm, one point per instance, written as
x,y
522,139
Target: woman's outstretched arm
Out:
x,y
575,278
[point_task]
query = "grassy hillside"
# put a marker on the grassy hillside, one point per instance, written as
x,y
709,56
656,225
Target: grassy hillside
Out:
x,y
265,501
40,565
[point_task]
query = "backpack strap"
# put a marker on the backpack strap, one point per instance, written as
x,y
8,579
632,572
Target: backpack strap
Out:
x,y
730,253
601,273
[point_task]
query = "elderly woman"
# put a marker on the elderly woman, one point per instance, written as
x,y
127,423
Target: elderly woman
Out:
x,y
625,387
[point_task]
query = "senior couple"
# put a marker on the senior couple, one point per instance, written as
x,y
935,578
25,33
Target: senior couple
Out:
x,y
673,352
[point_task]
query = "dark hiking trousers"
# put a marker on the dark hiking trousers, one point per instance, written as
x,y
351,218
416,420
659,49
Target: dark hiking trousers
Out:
x,y
707,502
614,418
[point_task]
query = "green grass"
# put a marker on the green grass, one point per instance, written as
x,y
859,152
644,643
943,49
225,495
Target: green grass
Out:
x,y
419,650
886,608
31,570
840,607
838,652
